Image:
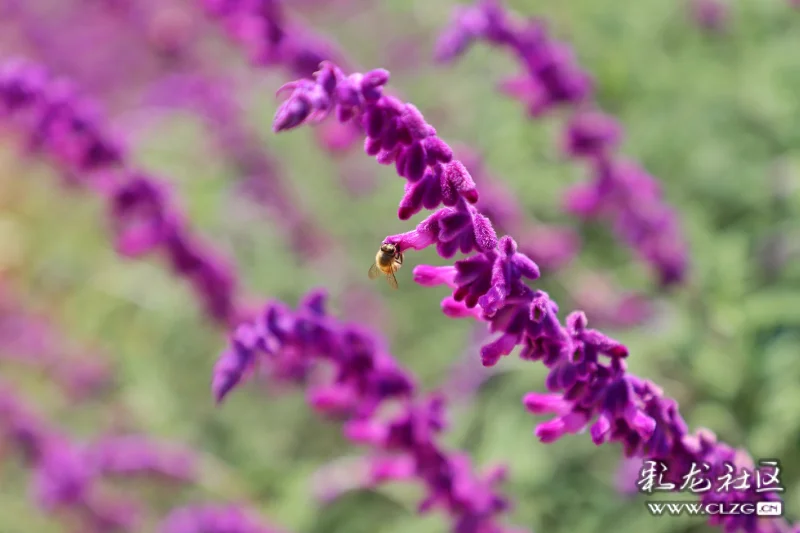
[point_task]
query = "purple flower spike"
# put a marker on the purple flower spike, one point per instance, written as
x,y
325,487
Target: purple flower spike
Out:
x,y
137,211
69,129
451,229
552,78
365,379
134,455
20,85
588,382
396,133
591,134
507,274
235,364
631,198
473,278
63,476
60,123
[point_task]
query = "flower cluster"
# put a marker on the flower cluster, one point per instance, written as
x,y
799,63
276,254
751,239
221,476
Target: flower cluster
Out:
x,y
366,379
69,129
349,372
550,246
396,134
620,190
588,380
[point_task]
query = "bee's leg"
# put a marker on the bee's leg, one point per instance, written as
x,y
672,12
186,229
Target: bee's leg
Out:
x,y
398,259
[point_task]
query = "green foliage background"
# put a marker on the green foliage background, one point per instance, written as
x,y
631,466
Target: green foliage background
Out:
x,y
713,116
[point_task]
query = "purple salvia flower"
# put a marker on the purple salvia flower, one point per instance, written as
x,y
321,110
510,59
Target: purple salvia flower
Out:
x,y
588,379
63,476
591,134
57,122
396,134
139,456
552,78
69,128
365,378
631,197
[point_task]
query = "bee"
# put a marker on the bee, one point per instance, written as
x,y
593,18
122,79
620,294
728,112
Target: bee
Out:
x,y
388,260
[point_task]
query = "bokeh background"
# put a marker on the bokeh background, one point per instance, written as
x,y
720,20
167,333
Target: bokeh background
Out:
x,y
709,110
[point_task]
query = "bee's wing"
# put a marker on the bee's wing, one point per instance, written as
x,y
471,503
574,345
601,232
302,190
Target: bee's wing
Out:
x,y
392,280
374,271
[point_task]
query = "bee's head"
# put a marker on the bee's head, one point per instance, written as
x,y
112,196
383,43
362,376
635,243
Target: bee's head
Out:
x,y
388,248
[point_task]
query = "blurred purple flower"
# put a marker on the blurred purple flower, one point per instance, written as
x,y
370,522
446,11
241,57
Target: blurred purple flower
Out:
x,y
632,198
63,475
592,134
710,15
129,456
365,378
70,129
588,383
21,428
552,79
